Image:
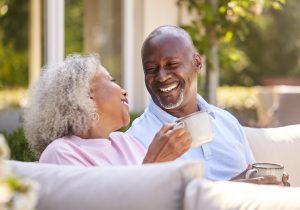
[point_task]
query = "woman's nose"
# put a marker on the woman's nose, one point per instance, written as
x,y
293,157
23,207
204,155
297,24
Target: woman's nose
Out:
x,y
124,92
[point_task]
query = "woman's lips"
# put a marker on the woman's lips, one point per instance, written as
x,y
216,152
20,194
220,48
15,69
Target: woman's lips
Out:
x,y
124,101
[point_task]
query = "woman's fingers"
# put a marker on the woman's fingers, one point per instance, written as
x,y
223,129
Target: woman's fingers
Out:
x,y
168,144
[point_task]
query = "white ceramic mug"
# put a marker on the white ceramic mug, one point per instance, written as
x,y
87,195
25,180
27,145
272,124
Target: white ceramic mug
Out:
x,y
199,125
266,169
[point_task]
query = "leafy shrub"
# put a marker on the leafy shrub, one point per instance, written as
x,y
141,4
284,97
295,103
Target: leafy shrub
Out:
x,y
19,148
132,117
239,101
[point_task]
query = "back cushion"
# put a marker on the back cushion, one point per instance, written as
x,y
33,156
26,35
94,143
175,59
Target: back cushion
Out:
x,y
280,145
152,186
225,195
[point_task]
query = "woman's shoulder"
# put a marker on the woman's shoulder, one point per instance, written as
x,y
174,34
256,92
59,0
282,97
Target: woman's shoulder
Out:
x,y
60,145
58,151
117,136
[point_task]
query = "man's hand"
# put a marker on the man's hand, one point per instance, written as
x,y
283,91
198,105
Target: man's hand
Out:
x,y
168,144
270,180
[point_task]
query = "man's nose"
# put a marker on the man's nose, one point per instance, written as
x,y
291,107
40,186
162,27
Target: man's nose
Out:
x,y
163,74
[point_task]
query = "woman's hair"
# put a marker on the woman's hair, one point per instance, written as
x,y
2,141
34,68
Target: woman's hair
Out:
x,y
59,102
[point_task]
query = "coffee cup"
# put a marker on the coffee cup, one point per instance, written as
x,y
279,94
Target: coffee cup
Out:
x,y
266,169
199,125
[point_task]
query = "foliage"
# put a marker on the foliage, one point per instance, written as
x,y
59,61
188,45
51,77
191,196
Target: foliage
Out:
x,y
220,24
12,97
16,194
73,26
237,97
132,118
239,101
14,35
19,148
272,45
13,43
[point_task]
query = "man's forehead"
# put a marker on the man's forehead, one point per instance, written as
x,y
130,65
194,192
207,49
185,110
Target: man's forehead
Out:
x,y
170,35
166,45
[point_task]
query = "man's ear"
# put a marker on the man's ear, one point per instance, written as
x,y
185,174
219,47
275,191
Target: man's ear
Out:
x,y
197,61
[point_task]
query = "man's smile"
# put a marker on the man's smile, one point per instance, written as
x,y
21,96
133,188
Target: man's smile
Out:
x,y
169,87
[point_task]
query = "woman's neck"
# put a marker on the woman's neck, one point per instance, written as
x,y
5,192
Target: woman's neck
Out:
x,y
96,132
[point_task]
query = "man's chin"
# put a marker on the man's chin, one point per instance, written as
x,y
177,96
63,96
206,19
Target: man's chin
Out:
x,y
169,105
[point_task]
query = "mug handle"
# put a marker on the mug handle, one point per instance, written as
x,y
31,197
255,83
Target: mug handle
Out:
x,y
250,172
179,124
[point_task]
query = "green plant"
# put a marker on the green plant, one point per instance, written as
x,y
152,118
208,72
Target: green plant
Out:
x,y
239,101
132,117
13,97
215,27
19,148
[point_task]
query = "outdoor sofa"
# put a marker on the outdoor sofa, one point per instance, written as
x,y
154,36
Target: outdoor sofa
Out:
x,y
170,186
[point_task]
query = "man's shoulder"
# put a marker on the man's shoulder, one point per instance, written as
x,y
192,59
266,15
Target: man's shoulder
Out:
x,y
222,114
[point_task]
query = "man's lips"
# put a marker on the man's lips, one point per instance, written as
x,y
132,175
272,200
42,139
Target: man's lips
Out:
x,y
168,88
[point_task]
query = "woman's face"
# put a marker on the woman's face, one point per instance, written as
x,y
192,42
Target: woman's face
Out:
x,y
110,99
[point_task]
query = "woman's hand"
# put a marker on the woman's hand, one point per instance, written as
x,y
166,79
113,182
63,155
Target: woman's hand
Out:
x,y
270,180
168,144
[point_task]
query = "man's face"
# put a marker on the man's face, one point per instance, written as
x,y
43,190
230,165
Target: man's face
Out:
x,y
170,71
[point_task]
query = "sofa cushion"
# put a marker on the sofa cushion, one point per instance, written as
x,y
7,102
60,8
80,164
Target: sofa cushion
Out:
x,y
152,186
225,195
280,145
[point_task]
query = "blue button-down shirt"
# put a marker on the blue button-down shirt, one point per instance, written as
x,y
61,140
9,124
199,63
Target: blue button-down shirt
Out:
x,y
226,156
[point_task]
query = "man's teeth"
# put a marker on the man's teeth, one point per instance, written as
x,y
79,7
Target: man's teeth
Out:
x,y
168,89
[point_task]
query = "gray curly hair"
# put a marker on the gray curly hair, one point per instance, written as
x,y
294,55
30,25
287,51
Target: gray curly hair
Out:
x,y
58,104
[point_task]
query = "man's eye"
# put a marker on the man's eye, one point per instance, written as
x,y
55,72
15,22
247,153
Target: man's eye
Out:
x,y
113,80
150,70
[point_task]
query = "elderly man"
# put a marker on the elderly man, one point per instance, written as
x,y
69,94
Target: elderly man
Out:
x,y
171,65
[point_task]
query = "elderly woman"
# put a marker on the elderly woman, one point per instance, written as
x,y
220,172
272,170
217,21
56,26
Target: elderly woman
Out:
x,y
73,112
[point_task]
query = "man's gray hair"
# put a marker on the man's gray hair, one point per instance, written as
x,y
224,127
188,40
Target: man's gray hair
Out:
x,y
59,102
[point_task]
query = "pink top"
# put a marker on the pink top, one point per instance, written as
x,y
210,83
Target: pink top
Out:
x,y
119,149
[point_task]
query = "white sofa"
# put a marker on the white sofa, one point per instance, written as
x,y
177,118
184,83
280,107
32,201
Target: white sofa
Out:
x,y
279,145
169,186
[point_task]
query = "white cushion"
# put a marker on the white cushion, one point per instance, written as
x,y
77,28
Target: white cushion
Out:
x,y
279,145
225,195
152,186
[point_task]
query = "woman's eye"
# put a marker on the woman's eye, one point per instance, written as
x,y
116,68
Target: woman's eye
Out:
x,y
113,80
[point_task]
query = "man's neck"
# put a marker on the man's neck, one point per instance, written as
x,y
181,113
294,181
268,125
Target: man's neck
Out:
x,y
184,110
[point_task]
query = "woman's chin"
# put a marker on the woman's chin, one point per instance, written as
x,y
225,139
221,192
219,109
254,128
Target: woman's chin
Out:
x,y
126,121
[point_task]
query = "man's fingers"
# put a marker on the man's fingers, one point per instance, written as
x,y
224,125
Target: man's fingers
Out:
x,y
285,179
165,128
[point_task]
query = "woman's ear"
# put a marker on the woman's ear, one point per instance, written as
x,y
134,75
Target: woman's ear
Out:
x,y
197,61
91,95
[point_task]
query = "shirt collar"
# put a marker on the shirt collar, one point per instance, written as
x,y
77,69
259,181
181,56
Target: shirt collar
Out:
x,y
166,117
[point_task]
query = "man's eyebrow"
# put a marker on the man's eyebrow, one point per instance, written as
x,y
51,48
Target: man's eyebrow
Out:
x,y
148,62
173,57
